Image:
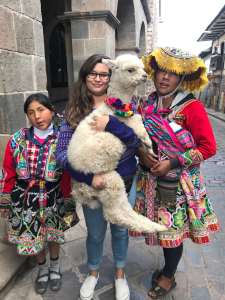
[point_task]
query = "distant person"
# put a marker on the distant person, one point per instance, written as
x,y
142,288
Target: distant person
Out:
x,y
170,189
32,197
207,93
215,51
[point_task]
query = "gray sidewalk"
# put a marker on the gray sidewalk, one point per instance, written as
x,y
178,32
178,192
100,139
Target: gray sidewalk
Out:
x,y
216,114
201,271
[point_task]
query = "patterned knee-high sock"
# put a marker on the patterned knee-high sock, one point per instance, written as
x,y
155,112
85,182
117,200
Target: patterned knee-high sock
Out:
x,y
43,270
54,266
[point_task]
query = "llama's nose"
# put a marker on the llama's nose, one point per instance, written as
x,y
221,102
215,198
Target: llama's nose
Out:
x,y
144,77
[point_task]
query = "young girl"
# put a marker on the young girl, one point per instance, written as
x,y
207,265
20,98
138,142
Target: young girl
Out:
x,y
31,192
170,189
88,93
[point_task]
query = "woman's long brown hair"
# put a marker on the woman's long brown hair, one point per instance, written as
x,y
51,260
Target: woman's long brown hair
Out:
x,y
81,100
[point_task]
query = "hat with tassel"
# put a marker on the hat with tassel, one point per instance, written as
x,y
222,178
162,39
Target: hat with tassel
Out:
x,y
180,62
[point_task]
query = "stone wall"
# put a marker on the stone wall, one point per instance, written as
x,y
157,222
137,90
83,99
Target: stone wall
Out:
x,y
108,27
213,91
22,61
92,30
90,37
152,36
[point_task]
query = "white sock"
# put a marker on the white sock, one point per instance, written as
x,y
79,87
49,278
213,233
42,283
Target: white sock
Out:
x,y
43,270
54,266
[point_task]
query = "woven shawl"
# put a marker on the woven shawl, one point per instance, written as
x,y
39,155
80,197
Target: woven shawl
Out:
x,y
157,131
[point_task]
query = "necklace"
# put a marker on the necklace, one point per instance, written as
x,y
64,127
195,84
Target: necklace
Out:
x,y
119,109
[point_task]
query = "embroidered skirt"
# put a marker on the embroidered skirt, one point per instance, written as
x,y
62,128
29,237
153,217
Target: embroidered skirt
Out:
x,y
192,217
31,222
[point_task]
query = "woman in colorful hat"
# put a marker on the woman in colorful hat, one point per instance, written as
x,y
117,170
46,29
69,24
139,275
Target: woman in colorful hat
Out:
x,y
170,189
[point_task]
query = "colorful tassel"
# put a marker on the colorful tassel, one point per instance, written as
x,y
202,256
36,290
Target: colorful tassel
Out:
x,y
120,109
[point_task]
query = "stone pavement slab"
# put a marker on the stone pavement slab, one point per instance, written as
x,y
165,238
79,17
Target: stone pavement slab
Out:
x,y
76,251
70,288
138,260
200,293
195,276
23,292
106,274
192,256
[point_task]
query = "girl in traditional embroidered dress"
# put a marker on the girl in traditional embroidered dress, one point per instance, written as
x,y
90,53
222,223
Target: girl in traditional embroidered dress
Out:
x,y
32,199
170,189
88,93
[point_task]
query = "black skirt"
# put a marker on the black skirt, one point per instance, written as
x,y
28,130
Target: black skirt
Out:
x,y
28,228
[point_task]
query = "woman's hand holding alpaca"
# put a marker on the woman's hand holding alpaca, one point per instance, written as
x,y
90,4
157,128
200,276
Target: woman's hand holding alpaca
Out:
x,y
98,182
161,168
147,159
99,123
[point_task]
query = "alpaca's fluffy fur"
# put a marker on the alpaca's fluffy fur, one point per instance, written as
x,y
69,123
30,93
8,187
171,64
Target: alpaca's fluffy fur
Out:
x,y
100,152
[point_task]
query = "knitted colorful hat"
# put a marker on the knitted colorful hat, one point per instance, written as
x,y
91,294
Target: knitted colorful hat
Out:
x,y
180,62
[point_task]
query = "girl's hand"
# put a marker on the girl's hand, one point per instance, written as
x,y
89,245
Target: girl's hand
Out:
x,y
99,123
147,159
71,213
161,168
98,182
5,212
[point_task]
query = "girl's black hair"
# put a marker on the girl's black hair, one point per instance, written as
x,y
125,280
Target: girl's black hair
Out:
x,y
41,98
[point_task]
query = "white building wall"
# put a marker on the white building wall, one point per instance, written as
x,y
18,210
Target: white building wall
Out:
x,y
207,62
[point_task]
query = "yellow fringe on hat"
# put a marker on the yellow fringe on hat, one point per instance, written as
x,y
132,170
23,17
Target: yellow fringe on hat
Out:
x,y
179,65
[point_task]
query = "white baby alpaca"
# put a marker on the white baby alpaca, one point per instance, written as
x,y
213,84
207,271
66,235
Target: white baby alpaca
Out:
x,y
101,152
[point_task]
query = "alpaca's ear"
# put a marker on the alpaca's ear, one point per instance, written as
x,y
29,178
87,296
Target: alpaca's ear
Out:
x,y
111,64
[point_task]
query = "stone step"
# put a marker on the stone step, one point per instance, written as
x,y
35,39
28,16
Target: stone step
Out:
x,y
11,265
10,261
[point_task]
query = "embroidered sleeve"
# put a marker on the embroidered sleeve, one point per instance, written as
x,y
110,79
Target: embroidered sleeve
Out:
x,y
5,200
190,158
8,176
198,124
70,204
63,142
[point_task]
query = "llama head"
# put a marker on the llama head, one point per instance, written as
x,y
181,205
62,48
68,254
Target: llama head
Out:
x,y
127,71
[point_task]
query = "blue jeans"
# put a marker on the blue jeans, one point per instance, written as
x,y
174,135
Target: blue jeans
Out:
x,y
97,226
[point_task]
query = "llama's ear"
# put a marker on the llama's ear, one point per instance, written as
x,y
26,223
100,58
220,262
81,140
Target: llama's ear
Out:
x,y
111,64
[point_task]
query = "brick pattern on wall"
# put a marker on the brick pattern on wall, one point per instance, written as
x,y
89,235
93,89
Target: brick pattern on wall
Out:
x,y
22,60
152,36
214,89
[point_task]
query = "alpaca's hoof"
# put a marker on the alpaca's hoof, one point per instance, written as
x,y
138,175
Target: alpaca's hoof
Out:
x,y
150,151
161,228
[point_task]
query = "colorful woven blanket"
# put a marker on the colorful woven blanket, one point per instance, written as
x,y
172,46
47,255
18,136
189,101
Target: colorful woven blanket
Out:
x,y
154,121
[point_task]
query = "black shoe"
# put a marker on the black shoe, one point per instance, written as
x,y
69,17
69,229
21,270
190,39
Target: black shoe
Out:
x,y
41,286
55,284
161,292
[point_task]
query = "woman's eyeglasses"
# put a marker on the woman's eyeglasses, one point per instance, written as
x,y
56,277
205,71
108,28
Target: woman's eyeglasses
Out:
x,y
103,75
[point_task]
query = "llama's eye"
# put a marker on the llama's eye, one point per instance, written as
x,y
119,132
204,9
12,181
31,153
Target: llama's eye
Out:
x,y
130,70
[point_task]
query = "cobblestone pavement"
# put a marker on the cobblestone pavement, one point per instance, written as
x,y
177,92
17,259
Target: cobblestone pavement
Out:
x,y
201,271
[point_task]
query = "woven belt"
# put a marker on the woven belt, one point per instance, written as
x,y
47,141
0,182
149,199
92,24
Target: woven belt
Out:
x,y
42,198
